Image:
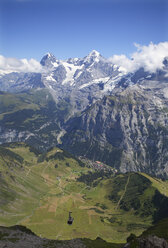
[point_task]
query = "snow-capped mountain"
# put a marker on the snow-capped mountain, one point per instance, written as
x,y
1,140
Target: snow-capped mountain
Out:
x,y
90,107
81,80
74,73
79,73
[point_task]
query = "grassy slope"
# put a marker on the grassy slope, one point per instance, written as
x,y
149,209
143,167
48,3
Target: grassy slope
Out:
x,y
162,186
44,188
24,187
11,103
38,102
33,112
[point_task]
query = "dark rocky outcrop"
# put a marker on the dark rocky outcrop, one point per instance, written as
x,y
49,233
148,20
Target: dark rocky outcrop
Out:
x,y
147,242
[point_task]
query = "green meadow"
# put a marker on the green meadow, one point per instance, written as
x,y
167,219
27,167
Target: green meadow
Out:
x,y
38,191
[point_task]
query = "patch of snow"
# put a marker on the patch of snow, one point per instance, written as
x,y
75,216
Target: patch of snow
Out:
x,y
79,73
95,81
149,76
29,135
109,86
122,69
115,67
97,59
49,55
43,126
55,64
165,92
92,55
70,71
50,78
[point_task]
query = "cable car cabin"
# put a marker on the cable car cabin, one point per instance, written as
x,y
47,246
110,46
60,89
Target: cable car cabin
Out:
x,y
70,220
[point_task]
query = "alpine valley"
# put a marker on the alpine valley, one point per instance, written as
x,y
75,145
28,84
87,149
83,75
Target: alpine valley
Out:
x,y
83,135
91,108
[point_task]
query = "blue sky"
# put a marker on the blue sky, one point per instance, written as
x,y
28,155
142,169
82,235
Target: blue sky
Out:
x,y
72,28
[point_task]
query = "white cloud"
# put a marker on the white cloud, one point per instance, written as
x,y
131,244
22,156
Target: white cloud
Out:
x,y
149,57
8,65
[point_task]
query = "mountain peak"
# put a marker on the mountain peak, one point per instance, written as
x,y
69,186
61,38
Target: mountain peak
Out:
x,y
48,59
93,56
49,55
94,53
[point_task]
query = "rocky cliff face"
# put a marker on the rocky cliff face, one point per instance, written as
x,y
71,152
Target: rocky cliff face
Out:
x,y
19,236
147,242
128,131
96,110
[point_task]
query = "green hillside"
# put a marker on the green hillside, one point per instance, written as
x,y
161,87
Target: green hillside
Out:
x,y
35,114
38,191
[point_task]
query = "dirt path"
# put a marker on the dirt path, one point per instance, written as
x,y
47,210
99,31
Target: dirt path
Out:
x,y
118,204
28,172
83,189
58,235
90,219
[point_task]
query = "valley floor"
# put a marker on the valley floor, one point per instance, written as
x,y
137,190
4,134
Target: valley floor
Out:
x,y
43,189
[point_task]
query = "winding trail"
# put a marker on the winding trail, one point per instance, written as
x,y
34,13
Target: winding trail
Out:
x,y
28,172
118,204
83,189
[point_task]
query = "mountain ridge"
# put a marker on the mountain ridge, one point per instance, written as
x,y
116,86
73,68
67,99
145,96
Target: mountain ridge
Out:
x,y
76,87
